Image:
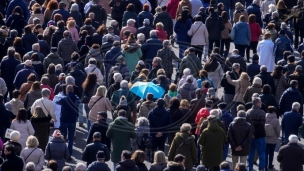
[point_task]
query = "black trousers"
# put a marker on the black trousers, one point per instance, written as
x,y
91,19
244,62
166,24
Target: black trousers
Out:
x,y
226,43
298,33
241,49
216,42
199,50
253,46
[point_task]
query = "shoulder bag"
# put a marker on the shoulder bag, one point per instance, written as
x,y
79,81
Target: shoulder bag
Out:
x,y
48,115
29,154
96,101
196,30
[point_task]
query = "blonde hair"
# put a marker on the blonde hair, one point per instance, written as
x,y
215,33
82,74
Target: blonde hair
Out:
x,y
18,56
38,113
159,158
159,25
101,91
184,103
245,76
32,142
71,24
161,72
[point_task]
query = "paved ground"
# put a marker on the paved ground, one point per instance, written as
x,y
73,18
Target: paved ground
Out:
x,y
81,135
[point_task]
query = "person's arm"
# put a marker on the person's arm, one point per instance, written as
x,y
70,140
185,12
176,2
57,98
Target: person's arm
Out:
x,y
39,166
85,155
107,153
230,81
172,151
3,86
30,128
280,155
52,111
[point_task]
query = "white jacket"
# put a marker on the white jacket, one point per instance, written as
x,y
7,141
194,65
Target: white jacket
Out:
x,y
57,109
216,76
196,5
46,105
265,51
199,37
90,69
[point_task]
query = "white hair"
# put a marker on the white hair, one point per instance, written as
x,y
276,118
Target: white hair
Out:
x,y
30,166
185,127
296,106
153,33
35,45
271,8
74,7
131,21
113,23
215,112
45,92
293,138
80,167
69,80
142,121
256,2
187,71
283,26
275,14
263,68
141,36
124,84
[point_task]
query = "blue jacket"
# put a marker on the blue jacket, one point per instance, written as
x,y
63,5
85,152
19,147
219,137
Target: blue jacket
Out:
x,y
253,69
181,30
143,15
79,77
281,45
111,56
226,119
28,40
290,96
69,108
144,30
65,14
22,75
199,82
242,33
151,47
19,3
255,9
16,22
44,47
96,166
160,121
291,122
7,67
34,51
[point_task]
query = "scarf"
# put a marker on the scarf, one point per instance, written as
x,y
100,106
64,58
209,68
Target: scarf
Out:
x,y
172,94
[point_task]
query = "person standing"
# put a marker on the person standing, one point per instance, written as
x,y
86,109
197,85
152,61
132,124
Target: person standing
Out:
x,y
225,38
66,47
99,11
255,32
298,23
291,156
254,8
5,121
192,62
12,162
282,44
258,142
239,135
99,164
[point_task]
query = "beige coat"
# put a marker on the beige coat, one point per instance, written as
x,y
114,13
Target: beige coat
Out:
x,y
199,33
25,128
180,6
102,104
36,156
46,105
40,16
145,108
275,123
236,16
17,104
240,88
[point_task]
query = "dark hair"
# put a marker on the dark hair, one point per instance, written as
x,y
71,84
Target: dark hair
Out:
x,y
62,88
293,83
60,24
161,78
206,84
203,74
266,89
88,21
150,96
164,8
17,9
138,156
130,7
271,109
146,7
102,29
35,86
27,29
18,42
40,36
37,10
57,18
291,58
21,115
126,154
179,158
16,93
90,82
209,103
75,56
225,17
184,16
96,46
10,148
211,9
225,165
35,57
212,63
51,69
277,72
252,18
83,33
31,77
53,165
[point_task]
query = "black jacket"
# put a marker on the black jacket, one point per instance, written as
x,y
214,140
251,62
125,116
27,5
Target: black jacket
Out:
x,y
90,151
56,37
98,166
228,88
100,13
258,120
102,127
141,167
166,19
144,30
117,11
267,79
253,69
214,26
5,121
12,163
173,166
290,96
291,157
127,165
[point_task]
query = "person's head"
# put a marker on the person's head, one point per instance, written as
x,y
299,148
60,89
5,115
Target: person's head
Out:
x,y
240,107
97,136
91,15
275,15
71,24
141,37
60,24
36,86
267,35
80,167
256,2
45,80
225,166
45,92
180,159
294,84
281,5
295,106
121,60
224,15
209,104
173,87
88,21
244,76
242,18
164,8
215,112
32,142
256,101
192,50
16,94
271,109
291,59
263,69
38,112
255,58
293,138
15,135
159,25
31,77
9,149
124,84
198,18
146,7
257,81
52,5
185,128
101,91
142,121
153,33
69,80
240,167
131,22
239,6
157,61
90,81
252,18
241,114
70,89
266,89
53,165
138,156
74,7
184,104
159,157
125,155
67,168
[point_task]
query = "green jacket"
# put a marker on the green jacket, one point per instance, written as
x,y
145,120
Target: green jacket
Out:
x,y
52,58
183,143
120,132
117,95
192,62
212,141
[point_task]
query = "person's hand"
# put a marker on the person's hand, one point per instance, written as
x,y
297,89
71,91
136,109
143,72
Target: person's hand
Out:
x,y
239,148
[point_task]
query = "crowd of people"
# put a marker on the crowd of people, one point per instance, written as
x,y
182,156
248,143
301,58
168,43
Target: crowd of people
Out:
x,y
62,62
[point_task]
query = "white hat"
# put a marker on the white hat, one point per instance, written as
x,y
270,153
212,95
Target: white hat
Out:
x,y
28,63
14,135
140,62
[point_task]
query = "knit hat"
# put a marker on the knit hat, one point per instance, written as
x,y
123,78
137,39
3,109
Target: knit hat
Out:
x,y
28,63
56,133
8,106
123,101
201,168
117,77
299,68
14,135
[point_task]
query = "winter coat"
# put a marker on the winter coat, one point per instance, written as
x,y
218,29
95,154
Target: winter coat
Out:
x,y
16,104
182,81
165,18
198,28
64,13
187,91
216,76
235,59
158,167
12,4
180,6
212,140
300,79
25,129
39,69
132,55
95,53
57,150
161,34
5,121
128,15
258,120
52,58
240,88
129,96
28,40
90,151
65,48
281,45
97,166
151,47
102,104
40,16
291,121
56,37
160,121
167,55
16,22
140,131
239,134
280,87
173,166
127,165
12,163
242,33
172,8
8,66
74,34
184,144
192,62
255,9
225,33
34,155
41,127
77,17
120,130
79,77
31,97
267,79
269,100
93,69
196,5
181,28
145,108
111,56
291,157
89,28
215,26
100,13
117,11
69,108
255,88
272,120
143,15
290,96
17,148
253,69
238,13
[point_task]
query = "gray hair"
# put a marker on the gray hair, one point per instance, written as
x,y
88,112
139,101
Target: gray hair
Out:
x,y
255,101
256,2
185,127
80,167
166,43
283,26
74,7
45,92
293,138
30,166
236,66
158,60
241,114
45,80
275,14
215,112
35,46
113,23
263,68
187,71
254,95
295,106
131,21
124,84
69,88
91,15
153,33
141,36
69,80
11,51
271,8
142,121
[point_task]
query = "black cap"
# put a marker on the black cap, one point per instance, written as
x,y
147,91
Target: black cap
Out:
x,y
192,49
103,114
100,155
96,135
222,105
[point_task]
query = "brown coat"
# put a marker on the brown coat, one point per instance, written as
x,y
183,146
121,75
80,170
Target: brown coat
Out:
x,y
48,14
280,85
181,4
102,104
275,123
291,157
236,15
255,88
145,108
24,89
240,88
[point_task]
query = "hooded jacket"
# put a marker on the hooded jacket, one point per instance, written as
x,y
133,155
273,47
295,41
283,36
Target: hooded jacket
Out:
x,y
98,166
291,157
258,120
57,150
8,66
187,91
127,165
143,15
100,13
56,37
52,58
160,121
272,119
66,47
184,143
173,166
242,33
111,56
214,25
132,55
146,107
16,22
240,134
120,130
165,18
69,108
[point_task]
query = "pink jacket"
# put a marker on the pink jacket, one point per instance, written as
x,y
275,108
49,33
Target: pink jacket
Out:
x,y
74,34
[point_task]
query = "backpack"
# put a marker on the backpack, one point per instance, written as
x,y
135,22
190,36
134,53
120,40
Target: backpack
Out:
x,y
269,130
145,142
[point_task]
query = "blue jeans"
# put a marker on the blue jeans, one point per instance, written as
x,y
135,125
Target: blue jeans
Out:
x,y
80,113
87,110
269,153
225,151
182,49
258,144
68,129
231,14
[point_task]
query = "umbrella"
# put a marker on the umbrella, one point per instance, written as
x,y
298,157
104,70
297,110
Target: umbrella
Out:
x,y
141,89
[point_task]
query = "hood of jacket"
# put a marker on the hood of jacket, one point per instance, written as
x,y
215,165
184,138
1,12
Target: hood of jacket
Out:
x,y
163,14
98,166
94,53
131,48
213,126
53,56
67,41
241,25
184,137
127,163
187,86
239,122
15,102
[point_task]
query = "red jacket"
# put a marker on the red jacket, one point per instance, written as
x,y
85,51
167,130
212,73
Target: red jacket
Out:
x,y
202,113
51,90
172,8
161,34
255,31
